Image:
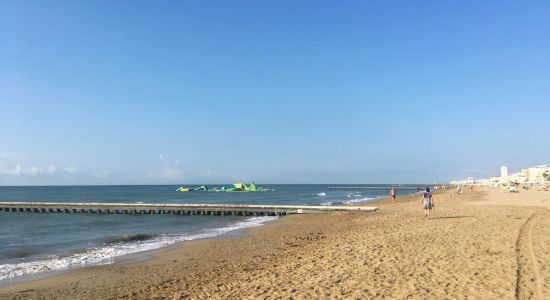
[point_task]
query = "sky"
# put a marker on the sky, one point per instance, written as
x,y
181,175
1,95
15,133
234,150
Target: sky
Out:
x,y
182,92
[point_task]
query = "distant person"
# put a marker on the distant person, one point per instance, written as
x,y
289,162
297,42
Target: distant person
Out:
x,y
427,202
393,194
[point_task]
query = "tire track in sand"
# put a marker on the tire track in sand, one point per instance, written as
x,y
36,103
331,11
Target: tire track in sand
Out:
x,y
528,281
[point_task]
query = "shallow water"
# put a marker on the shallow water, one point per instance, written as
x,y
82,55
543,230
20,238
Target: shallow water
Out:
x,y
33,243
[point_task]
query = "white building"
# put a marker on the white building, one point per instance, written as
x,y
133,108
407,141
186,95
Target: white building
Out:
x,y
483,182
517,178
494,181
537,173
503,172
465,181
532,175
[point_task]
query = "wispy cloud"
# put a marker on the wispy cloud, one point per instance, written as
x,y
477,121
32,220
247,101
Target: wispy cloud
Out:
x,y
51,169
169,170
208,174
19,170
10,168
15,171
70,170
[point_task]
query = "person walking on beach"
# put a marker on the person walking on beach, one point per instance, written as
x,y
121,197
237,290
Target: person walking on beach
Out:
x,y
427,202
393,194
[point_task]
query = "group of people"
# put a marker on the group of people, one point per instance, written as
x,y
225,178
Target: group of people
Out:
x,y
427,200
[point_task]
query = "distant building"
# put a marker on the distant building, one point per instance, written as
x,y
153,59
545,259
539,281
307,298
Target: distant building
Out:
x,y
525,173
537,173
482,182
517,178
465,181
494,181
503,172
533,175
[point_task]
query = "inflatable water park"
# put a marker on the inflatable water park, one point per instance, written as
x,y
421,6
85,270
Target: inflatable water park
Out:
x,y
237,187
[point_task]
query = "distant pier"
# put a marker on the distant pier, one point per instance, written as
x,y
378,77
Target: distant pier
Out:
x,y
378,188
174,209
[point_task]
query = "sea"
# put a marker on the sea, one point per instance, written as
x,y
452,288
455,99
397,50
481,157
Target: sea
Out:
x,y
34,244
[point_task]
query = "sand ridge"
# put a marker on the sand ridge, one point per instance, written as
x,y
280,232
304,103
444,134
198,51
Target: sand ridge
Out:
x,y
471,248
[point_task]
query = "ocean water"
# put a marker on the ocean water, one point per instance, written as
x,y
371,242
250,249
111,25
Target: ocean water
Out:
x,y
32,243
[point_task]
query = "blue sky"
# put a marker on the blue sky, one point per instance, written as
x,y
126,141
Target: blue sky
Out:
x,y
144,92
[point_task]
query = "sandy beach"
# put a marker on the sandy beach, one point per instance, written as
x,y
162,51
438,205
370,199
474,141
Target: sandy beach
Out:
x,y
484,244
221,150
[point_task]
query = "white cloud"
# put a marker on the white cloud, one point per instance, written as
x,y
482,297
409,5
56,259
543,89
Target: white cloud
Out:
x,y
10,169
170,170
33,170
19,170
13,171
51,169
70,170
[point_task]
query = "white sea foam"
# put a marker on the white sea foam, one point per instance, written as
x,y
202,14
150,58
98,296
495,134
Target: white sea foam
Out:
x,y
322,194
357,200
106,255
354,195
327,203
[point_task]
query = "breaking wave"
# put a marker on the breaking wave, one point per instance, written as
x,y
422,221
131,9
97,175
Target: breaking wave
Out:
x,y
358,200
116,247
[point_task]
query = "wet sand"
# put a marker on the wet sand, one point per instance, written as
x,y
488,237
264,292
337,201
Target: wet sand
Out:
x,y
484,244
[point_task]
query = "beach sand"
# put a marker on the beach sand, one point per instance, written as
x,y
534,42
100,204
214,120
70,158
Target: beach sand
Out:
x,y
484,244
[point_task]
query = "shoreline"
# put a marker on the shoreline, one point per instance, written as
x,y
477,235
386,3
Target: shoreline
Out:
x,y
145,255
472,254
125,259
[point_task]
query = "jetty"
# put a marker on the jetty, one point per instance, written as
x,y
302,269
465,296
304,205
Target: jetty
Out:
x,y
175,209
